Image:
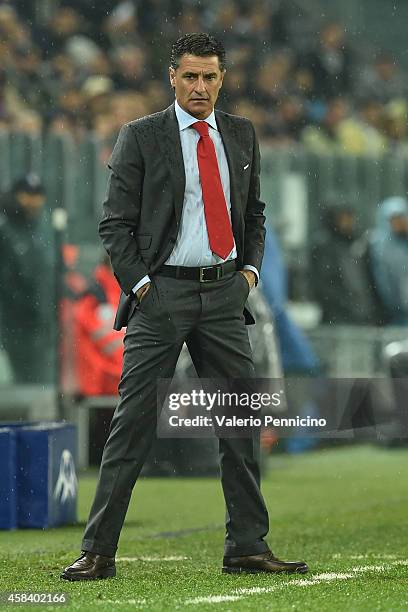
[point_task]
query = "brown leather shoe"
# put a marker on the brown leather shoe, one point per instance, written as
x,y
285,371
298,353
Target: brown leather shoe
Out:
x,y
90,566
265,562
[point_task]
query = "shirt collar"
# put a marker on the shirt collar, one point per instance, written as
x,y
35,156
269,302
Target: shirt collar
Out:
x,y
185,120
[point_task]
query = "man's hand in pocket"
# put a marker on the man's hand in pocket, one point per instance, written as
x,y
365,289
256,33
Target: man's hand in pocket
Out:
x,y
250,276
141,292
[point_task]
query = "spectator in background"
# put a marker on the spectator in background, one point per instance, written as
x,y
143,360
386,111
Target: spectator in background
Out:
x,y
330,63
272,79
127,106
296,352
61,74
238,87
65,123
396,126
151,12
363,133
339,272
64,24
298,357
74,285
121,25
156,96
384,81
12,30
11,104
286,124
271,17
255,113
28,81
99,346
93,14
276,76
342,131
26,282
227,22
264,26
72,101
190,19
28,122
302,85
388,249
130,68
97,93
322,136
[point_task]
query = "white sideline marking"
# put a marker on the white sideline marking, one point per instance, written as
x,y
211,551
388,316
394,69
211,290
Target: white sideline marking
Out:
x,y
240,593
312,582
366,556
133,602
372,557
368,568
301,582
213,599
153,558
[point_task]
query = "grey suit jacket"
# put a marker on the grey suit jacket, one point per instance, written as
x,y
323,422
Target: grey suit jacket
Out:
x,y
145,194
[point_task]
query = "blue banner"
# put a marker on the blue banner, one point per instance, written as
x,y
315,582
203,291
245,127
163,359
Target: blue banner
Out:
x,y
8,479
47,487
38,484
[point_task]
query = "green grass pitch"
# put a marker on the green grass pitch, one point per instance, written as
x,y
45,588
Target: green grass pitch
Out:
x,y
343,510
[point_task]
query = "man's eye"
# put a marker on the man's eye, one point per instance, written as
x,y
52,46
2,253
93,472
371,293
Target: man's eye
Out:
x,y
210,78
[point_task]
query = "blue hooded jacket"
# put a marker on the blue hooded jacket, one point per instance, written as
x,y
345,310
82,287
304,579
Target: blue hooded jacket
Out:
x,y
296,352
389,260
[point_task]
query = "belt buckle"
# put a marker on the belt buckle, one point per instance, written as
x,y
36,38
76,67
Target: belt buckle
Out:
x,y
202,274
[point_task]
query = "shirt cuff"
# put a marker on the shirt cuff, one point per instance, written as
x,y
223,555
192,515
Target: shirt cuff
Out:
x,y
254,270
143,281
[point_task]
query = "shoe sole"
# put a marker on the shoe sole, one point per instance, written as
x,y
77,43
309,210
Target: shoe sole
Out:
x,y
252,570
110,572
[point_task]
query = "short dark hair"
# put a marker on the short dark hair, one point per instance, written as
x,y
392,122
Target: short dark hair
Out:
x,y
31,183
200,44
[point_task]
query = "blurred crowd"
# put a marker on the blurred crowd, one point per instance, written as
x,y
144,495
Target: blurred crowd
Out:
x,y
361,277
86,65
355,277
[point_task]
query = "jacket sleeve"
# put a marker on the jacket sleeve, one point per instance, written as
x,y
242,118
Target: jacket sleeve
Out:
x,y
254,242
121,210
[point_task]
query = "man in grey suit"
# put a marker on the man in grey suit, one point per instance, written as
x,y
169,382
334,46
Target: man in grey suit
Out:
x,y
184,227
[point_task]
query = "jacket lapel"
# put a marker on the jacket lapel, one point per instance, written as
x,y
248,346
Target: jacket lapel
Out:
x,y
233,151
170,146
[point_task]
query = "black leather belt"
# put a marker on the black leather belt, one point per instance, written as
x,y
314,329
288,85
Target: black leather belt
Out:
x,y
205,274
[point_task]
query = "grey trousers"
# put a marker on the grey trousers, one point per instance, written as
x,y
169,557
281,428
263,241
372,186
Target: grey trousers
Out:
x,y
209,318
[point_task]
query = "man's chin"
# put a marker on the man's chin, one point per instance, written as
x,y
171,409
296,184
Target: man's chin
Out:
x,y
200,107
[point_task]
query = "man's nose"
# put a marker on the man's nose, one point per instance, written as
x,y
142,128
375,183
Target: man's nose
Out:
x,y
200,85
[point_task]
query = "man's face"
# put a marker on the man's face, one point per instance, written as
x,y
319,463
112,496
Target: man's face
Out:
x,y
197,82
345,222
399,225
32,203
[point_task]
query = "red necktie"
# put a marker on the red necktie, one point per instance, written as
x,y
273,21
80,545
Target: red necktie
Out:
x,y
215,207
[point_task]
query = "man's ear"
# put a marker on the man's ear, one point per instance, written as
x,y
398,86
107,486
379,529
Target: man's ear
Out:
x,y
172,77
222,77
